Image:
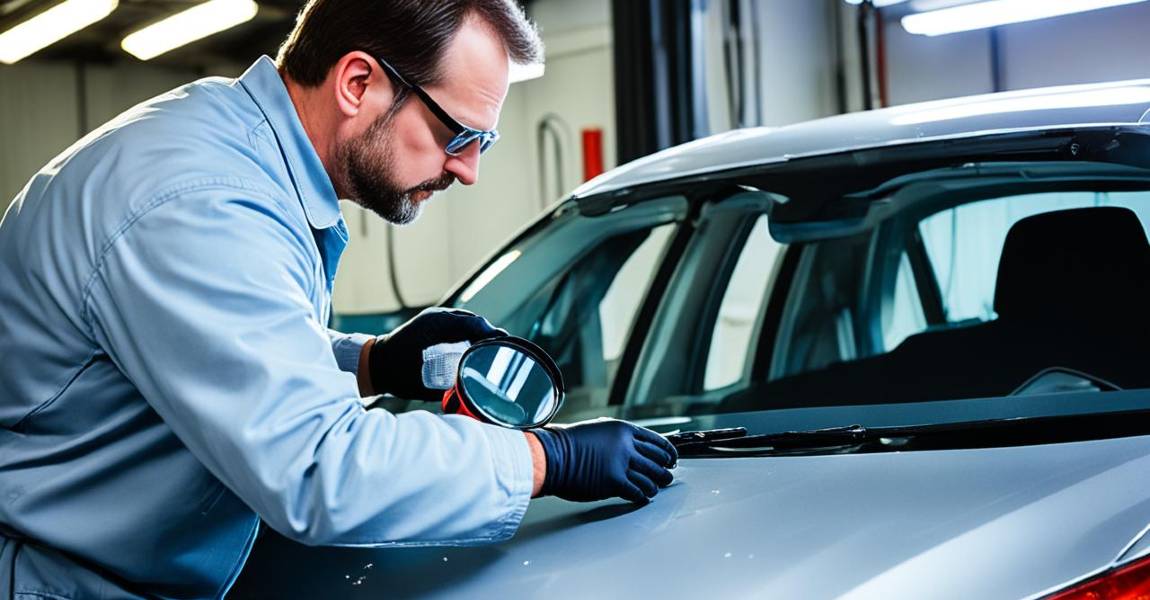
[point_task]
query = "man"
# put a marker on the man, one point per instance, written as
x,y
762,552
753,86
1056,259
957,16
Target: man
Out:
x,y
167,380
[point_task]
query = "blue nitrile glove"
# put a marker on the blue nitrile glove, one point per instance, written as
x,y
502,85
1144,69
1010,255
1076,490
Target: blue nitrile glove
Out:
x,y
396,359
605,458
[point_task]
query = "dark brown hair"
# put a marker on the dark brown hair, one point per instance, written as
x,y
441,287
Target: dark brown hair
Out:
x,y
410,34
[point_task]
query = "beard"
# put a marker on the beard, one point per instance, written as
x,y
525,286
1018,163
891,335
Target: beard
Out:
x,y
367,174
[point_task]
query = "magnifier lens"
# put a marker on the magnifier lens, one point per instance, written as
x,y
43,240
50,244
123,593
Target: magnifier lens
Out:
x,y
508,385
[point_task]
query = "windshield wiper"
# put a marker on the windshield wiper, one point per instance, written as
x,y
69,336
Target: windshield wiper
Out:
x,y
692,443
707,436
967,434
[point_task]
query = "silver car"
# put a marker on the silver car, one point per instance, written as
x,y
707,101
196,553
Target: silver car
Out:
x,y
914,341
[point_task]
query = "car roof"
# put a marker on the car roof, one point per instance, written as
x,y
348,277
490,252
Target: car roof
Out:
x,y
1092,105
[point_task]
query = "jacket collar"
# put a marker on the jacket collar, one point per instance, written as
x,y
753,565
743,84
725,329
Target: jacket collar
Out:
x,y
263,83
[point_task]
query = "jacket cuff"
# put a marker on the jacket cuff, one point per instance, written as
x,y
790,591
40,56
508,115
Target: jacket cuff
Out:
x,y
347,347
515,475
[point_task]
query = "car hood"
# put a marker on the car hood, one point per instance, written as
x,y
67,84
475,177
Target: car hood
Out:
x,y
991,523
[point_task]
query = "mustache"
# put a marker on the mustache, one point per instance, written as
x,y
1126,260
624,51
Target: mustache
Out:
x,y
434,185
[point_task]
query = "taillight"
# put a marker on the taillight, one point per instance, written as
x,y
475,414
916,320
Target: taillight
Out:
x,y
1129,582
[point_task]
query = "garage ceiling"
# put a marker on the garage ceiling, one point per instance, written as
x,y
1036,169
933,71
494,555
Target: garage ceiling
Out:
x,y
100,42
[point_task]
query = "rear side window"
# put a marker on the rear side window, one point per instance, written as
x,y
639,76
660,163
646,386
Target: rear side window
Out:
x,y
972,300
965,242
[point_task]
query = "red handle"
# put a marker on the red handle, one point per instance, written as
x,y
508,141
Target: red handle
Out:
x,y
454,405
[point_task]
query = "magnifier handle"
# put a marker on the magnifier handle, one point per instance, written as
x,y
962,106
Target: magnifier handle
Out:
x,y
452,405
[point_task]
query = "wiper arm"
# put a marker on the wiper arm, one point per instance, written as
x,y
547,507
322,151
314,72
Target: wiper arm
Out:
x,y
831,436
707,436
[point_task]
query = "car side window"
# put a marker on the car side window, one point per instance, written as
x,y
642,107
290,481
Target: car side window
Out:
x,y
704,330
587,313
620,304
965,243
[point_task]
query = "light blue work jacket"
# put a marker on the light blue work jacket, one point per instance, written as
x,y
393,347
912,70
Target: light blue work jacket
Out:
x,y
167,379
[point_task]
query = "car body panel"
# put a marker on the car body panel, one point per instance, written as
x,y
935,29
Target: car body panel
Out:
x,y
1120,103
989,523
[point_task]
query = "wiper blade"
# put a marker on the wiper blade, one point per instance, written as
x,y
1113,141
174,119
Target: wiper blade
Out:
x,y
849,438
989,433
737,438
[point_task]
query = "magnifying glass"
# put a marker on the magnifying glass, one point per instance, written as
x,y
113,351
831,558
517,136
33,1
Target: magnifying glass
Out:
x,y
506,381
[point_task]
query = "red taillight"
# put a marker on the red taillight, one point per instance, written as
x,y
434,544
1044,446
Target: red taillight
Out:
x,y
1130,582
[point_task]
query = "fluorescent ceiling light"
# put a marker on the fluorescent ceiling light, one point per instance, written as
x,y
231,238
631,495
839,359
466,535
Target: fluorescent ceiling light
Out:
x,y
524,72
50,26
993,13
185,27
965,110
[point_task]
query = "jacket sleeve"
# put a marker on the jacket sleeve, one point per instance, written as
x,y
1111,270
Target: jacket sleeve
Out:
x,y
204,302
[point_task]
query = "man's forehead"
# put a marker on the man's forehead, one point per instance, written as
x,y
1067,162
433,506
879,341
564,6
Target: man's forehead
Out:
x,y
474,75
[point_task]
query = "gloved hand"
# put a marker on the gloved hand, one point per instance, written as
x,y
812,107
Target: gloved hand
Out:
x,y
600,459
396,359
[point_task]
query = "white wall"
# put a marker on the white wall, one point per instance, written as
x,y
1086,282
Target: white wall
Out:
x,y
922,68
1105,45
38,119
797,60
40,108
1102,45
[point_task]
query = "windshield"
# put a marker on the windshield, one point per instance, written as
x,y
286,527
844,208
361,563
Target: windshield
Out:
x,y
1027,290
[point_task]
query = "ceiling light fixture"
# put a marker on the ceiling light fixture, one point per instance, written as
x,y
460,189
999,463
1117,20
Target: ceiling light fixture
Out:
x,y
993,13
185,27
50,26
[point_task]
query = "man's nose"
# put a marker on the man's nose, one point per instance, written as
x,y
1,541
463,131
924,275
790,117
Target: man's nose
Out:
x,y
465,166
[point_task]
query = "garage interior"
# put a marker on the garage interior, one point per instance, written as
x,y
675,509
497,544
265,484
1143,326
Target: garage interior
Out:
x,y
623,80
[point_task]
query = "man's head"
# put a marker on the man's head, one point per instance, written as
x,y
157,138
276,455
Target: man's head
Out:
x,y
382,145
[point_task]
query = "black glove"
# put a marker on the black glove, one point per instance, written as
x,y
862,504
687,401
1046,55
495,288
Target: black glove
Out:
x,y
601,459
396,359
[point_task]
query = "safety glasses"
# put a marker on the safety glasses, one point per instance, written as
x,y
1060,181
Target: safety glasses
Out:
x,y
464,135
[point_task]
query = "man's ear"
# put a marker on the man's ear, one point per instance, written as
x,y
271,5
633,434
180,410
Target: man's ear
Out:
x,y
352,77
